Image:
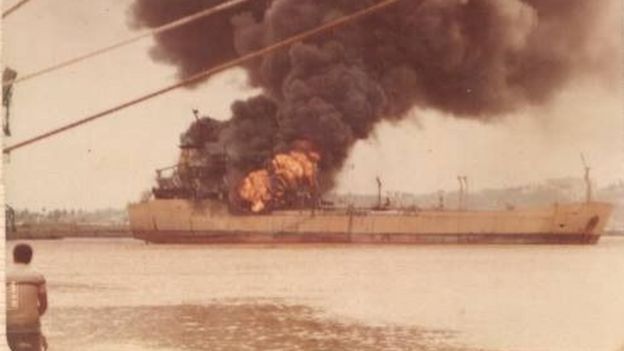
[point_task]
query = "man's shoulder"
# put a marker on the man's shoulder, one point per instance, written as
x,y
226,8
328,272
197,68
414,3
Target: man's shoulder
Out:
x,y
24,274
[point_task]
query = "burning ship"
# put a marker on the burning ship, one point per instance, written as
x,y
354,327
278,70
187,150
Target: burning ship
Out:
x,y
260,176
279,203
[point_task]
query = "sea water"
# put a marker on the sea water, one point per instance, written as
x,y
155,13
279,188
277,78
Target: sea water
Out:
x,y
125,295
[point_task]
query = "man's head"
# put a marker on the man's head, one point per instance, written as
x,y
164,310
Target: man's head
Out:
x,y
22,253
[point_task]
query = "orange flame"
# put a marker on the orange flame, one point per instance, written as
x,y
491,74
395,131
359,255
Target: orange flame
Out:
x,y
286,174
256,189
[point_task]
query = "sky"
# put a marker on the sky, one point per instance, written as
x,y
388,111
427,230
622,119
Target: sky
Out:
x,y
110,162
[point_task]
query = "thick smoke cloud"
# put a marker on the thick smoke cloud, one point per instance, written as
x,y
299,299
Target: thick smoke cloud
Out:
x,y
198,45
475,59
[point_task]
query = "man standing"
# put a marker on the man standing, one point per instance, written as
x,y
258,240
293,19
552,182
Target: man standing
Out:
x,y
26,301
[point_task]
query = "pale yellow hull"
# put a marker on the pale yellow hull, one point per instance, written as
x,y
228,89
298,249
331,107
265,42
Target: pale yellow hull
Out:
x,y
183,221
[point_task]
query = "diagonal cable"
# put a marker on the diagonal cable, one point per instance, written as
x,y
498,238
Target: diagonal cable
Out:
x,y
164,28
13,8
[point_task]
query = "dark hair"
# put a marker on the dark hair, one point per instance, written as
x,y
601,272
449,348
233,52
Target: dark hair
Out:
x,y
22,253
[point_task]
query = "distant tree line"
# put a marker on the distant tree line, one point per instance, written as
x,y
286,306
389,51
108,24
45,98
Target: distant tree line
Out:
x,y
44,215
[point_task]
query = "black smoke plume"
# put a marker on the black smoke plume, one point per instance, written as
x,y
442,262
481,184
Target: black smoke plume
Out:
x,y
475,59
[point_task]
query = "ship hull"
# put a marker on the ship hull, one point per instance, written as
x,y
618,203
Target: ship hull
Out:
x,y
209,222
179,237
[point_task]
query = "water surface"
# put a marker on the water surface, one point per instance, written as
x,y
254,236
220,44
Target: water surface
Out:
x,y
125,295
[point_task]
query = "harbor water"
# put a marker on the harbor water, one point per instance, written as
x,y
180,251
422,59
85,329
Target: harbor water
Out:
x,y
124,295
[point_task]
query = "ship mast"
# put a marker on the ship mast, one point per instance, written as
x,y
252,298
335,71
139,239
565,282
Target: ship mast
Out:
x,y
441,200
463,190
378,192
466,192
460,194
588,187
